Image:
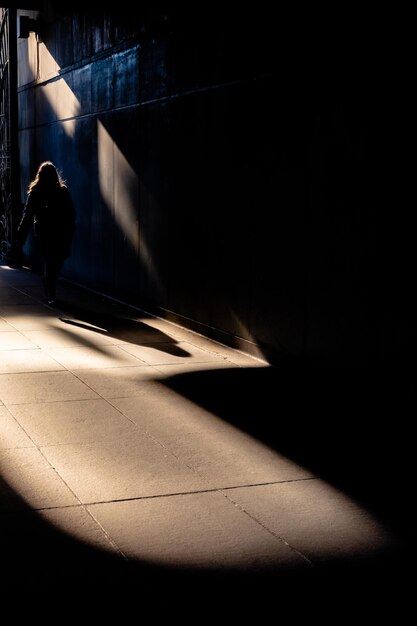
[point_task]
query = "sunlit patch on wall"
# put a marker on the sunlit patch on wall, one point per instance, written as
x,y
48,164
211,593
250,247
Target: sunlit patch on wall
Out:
x,y
120,191
62,100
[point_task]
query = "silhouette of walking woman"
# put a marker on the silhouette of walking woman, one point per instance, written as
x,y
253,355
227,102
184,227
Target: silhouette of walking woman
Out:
x,y
49,210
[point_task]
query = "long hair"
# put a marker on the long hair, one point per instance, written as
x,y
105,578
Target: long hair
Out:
x,y
47,177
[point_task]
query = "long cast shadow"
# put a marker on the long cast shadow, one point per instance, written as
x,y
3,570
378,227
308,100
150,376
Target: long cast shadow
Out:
x,y
350,426
120,326
42,567
327,420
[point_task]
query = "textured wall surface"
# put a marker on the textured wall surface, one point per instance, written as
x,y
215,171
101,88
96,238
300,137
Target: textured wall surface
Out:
x,y
216,161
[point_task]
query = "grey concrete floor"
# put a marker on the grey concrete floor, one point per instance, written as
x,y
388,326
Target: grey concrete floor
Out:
x,y
139,459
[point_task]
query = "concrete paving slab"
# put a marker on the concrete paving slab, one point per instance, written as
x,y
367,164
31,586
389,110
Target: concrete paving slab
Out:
x,y
13,296
42,387
240,358
180,333
130,467
36,317
12,434
185,367
93,358
8,290
165,413
121,328
18,276
315,519
14,340
168,353
35,290
144,334
29,480
68,335
12,312
120,382
231,457
13,361
40,321
78,523
5,326
203,530
76,421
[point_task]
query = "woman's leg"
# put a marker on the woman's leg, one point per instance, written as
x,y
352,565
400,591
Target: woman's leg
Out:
x,y
52,267
49,279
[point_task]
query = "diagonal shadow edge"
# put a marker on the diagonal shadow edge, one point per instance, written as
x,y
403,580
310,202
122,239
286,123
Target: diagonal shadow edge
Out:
x,y
330,421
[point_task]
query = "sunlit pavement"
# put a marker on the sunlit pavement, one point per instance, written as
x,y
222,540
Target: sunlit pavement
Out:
x,y
138,456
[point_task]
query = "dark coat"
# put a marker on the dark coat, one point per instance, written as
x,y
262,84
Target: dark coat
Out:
x,y
52,216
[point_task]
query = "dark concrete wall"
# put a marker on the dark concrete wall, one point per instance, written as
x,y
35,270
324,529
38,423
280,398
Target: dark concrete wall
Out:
x,y
216,158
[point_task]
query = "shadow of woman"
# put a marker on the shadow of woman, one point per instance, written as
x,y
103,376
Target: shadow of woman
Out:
x,y
121,326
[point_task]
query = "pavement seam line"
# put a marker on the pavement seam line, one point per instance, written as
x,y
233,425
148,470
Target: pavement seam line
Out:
x,y
268,530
